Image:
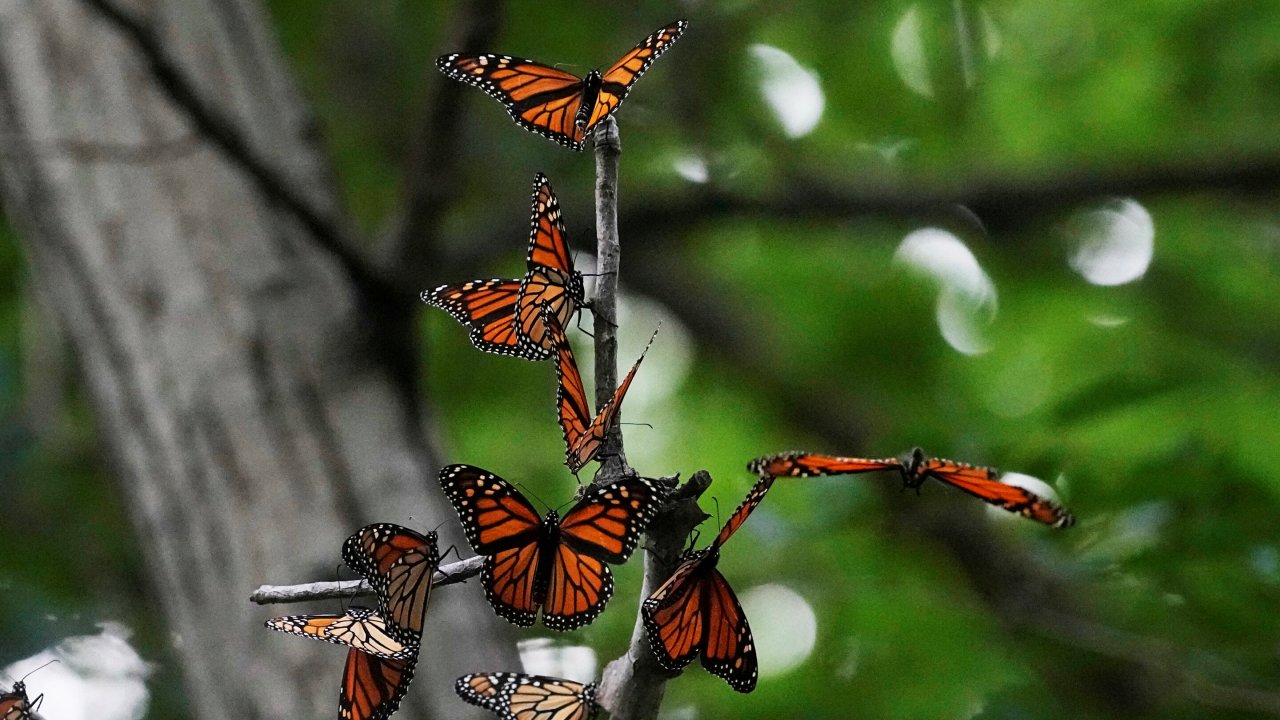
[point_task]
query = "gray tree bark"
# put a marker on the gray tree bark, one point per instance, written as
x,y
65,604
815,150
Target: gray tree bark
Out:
x,y
256,407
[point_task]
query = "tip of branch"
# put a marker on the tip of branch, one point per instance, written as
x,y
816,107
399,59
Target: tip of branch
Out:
x,y
606,136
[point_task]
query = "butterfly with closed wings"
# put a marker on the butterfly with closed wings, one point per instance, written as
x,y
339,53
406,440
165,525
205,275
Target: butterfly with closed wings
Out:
x,y
399,563
695,612
516,696
557,565
583,433
981,482
505,316
551,102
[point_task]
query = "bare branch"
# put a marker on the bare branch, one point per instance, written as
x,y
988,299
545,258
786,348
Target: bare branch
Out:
x,y
226,136
999,201
449,574
604,304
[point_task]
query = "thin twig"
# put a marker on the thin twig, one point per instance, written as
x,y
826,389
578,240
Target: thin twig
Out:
x,y
220,130
449,574
604,304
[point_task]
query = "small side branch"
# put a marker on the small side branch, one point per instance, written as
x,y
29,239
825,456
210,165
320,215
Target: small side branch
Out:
x,y
449,574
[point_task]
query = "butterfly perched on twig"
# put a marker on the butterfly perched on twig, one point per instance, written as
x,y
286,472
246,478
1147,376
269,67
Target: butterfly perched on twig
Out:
x,y
557,565
399,563
583,432
695,612
516,696
505,315
551,102
981,482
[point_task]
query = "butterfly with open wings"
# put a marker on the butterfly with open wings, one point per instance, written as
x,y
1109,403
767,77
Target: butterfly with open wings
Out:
x,y
551,102
557,565
981,482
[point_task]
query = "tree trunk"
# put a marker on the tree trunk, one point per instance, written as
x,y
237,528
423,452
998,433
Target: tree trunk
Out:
x,y
255,406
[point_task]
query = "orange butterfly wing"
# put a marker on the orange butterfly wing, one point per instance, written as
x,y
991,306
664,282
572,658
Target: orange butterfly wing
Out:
x,y
604,527
400,564
488,309
577,590
728,649
672,614
984,483
801,464
616,82
372,687
551,284
500,524
740,515
538,97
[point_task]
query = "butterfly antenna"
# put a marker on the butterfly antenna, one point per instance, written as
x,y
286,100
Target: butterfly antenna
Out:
x,y
637,423
524,487
32,671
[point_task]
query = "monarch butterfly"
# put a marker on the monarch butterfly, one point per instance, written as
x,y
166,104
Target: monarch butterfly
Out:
x,y
981,482
558,565
399,563
695,612
516,696
378,669
551,102
16,706
583,434
505,316
359,628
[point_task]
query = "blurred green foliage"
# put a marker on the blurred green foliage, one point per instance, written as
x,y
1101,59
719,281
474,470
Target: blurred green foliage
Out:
x,y
1157,424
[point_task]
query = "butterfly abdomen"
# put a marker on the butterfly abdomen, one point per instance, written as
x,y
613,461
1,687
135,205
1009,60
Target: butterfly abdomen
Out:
x,y
547,548
590,92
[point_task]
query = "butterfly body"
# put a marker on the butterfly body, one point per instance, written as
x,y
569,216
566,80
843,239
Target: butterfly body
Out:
x,y
553,564
553,103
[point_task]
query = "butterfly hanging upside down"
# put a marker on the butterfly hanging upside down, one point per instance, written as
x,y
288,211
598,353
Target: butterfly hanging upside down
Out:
x,y
695,612
981,482
553,103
